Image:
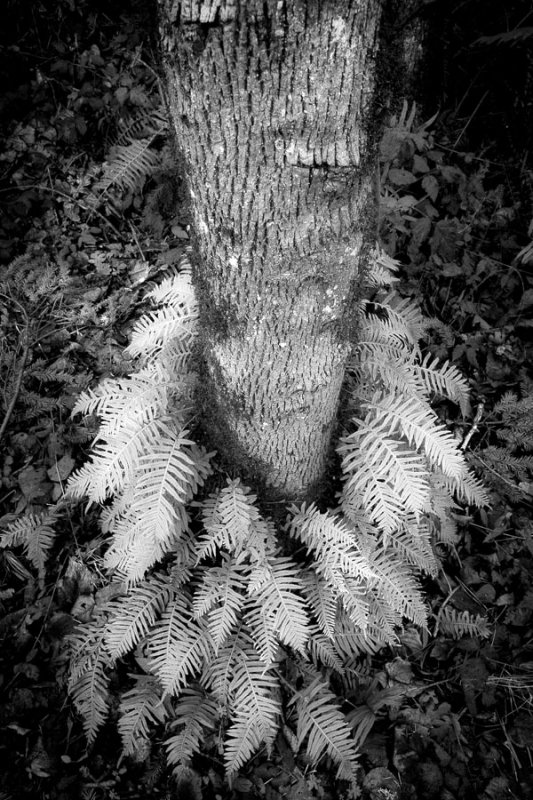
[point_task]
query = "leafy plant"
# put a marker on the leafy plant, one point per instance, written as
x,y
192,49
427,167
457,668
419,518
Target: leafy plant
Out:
x,y
227,606
508,467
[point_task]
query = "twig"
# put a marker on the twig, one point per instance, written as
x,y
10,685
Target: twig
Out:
x,y
475,426
16,390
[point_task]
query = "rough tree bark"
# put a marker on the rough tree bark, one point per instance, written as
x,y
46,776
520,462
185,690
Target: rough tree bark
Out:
x,y
271,102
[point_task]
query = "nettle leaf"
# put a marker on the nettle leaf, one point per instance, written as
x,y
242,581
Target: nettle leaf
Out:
x,y
400,177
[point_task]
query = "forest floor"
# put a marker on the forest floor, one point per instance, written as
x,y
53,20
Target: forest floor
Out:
x,y
83,233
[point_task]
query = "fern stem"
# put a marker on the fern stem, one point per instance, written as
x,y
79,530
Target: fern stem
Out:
x,y
18,382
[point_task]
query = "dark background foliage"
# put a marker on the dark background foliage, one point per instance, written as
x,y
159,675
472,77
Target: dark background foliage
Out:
x,y
77,250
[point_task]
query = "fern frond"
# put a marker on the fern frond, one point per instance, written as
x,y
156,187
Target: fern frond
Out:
x,y
379,324
114,462
350,642
382,269
333,543
516,427
176,290
380,366
455,623
322,651
255,711
141,123
133,615
140,708
131,552
178,646
229,517
124,402
281,603
394,582
323,725
322,599
155,329
400,371
415,420
395,320
412,542
128,166
35,534
382,503
220,596
443,378
262,630
355,600
89,678
217,674
383,476
467,488
168,477
384,621
195,714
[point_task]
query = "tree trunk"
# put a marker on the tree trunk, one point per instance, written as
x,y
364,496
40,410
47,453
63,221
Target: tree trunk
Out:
x,y
271,103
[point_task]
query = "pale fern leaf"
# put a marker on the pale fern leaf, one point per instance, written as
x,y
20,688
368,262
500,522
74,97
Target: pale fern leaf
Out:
x,y
384,621
322,599
394,320
157,328
324,728
455,623
382,269
168,479
132,552
217,674
114,462
355,600
195,714
415,420
388,459
350,642
255,711
133,615
446,380
140,397
220,597
396,375
322,651
89,679
35,534
281,602
468,489
176,291
229,516
262,628
394,582
333,542
412,542
128,166
178,646
140,709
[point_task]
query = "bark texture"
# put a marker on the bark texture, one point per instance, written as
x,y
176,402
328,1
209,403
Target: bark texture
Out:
x,y
270,102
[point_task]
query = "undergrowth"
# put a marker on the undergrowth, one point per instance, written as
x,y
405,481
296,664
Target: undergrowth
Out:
x,y
66,318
